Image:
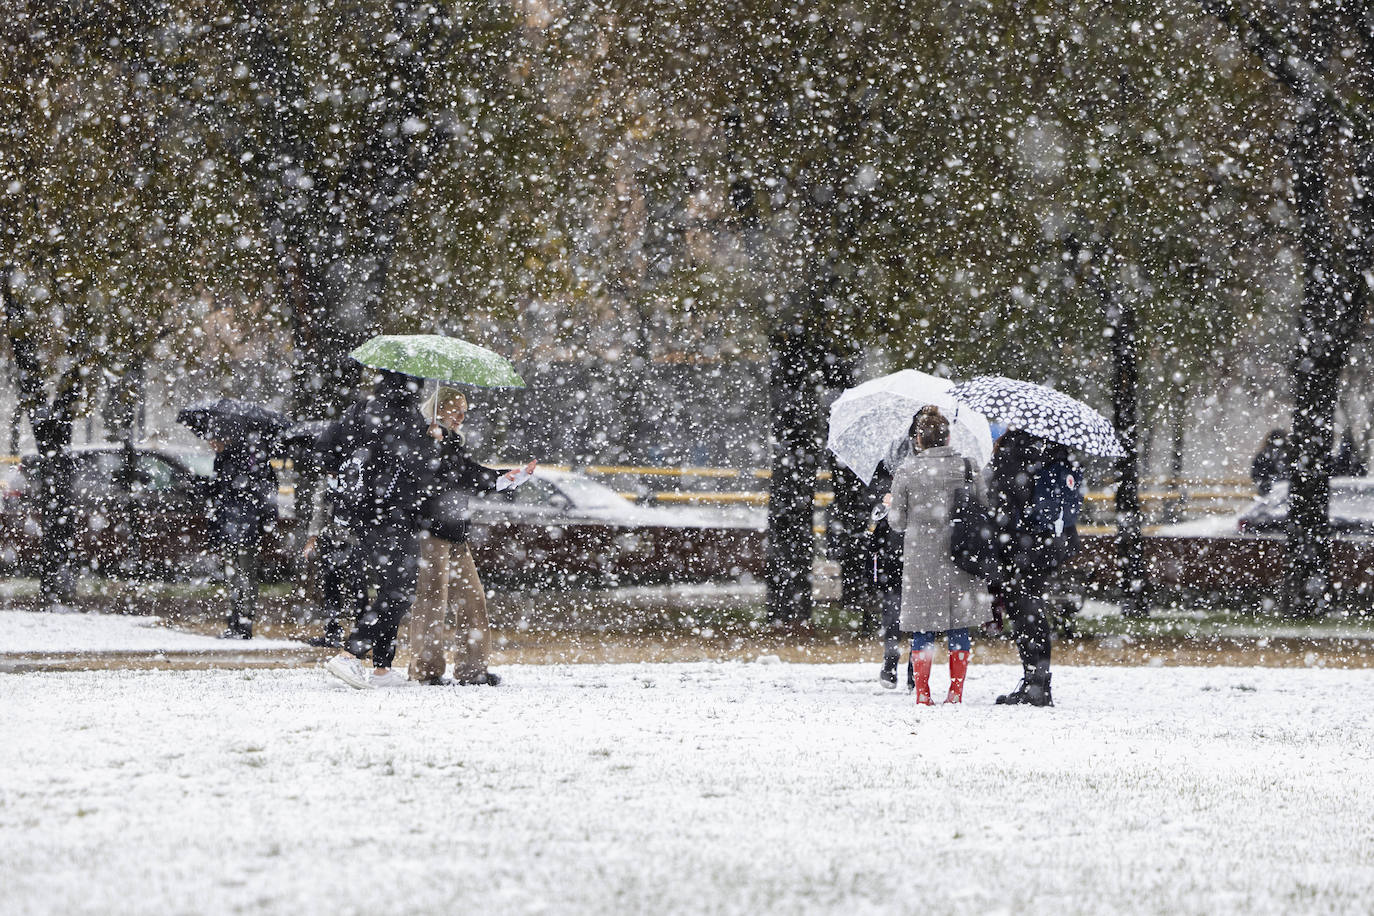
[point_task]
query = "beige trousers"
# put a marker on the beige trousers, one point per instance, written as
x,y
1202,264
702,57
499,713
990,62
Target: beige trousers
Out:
x,y
447,579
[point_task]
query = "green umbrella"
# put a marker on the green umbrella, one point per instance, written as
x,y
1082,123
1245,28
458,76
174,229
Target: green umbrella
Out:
x,y
433,356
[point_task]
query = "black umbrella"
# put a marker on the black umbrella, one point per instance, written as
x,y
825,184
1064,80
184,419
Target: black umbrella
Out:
x,y
305,433
1041,412
230,418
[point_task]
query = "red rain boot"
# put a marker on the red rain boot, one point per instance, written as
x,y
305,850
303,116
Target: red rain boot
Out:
x,y
920,663
958,670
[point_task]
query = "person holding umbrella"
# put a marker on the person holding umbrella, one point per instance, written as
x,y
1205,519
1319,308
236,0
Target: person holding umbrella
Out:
x,y
885,547
937,596
243,495
447,575
1024,561
1036,494
869,432
243,507
385,462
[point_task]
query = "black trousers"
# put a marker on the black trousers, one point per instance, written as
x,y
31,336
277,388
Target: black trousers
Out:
x,y
891,626
390,559
241,581
1029,611
342,582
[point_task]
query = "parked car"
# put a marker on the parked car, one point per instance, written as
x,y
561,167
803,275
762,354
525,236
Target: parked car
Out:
x,y
1243,550
1351,510
561,527
140,511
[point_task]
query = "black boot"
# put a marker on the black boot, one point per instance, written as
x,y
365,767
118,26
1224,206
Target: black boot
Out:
x,y
1034,690
238,628
332,638
910,675
1038,691
888,675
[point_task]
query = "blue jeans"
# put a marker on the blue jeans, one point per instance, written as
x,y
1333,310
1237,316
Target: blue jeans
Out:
x,y
959,640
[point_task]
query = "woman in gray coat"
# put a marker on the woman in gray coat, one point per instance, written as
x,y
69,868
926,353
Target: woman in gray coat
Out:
x,y
937,596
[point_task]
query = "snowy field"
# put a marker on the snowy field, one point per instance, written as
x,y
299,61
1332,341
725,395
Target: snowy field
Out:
x,y
704,788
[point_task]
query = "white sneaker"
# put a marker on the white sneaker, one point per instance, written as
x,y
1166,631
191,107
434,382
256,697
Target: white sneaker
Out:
x,y
392,678
349,670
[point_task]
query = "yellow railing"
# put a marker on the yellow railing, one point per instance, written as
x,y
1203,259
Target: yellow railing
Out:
x,y
1211,492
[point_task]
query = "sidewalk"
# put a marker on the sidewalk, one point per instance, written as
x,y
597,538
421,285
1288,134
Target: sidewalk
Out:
x,y
41,641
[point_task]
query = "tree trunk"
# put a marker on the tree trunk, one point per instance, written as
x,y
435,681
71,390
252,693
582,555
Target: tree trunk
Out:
x,y
1316,372
795,408
1130,543
1119,313
1178,417
52,433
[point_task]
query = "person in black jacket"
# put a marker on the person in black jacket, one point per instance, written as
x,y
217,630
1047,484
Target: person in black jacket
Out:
x,y
384,463
887,569
1025,561
243,505
1273,462
448,577
1346,462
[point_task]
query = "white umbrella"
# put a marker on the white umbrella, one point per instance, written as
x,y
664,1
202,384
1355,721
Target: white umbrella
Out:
x,y
868,420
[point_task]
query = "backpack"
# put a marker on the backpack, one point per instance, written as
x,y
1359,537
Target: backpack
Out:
x,y
1056,499
972,531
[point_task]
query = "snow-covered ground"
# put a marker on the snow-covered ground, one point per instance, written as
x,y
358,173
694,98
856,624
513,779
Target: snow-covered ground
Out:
x,y
28,632
715,788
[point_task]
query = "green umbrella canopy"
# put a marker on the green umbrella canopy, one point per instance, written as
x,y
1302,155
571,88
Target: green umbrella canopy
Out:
x,y
433,356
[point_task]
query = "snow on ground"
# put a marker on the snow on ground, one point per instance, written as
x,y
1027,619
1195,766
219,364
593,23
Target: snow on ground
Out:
x,y
28,632
699,788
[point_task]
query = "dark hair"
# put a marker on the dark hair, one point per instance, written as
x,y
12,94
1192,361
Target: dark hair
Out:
x,y
929,427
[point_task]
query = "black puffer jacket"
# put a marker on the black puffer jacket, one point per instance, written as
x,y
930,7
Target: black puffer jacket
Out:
x,y
382,457
243,495
1024,554
885,544
457,476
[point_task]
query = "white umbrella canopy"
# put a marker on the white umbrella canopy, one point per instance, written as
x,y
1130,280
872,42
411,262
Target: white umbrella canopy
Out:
x,y
868,420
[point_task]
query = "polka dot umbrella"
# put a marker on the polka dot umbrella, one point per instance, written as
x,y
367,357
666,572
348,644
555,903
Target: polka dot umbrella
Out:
x,y
1041,412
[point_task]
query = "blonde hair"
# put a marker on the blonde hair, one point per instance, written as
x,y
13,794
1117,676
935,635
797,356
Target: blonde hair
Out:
x,y
445,397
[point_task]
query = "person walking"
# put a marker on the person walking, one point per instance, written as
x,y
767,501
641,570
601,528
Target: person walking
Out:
x,y
384,463
937,596
243,506
447,575
1028,553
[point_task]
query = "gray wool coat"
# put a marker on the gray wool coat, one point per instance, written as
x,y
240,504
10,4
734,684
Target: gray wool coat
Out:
x,y
936,594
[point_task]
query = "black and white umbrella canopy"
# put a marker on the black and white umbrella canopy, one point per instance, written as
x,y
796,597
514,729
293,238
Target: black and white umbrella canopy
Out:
x,y
1041,412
